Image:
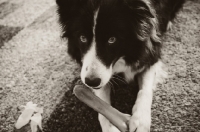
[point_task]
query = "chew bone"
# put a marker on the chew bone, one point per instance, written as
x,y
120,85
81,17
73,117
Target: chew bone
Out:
x,y
117,118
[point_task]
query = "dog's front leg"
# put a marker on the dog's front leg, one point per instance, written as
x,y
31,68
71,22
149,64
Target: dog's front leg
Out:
x,y
104,94
141,112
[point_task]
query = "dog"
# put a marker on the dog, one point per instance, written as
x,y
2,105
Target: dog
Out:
x,y
108,37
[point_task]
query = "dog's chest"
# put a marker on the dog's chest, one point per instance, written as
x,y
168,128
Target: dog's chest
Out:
x,y
121,67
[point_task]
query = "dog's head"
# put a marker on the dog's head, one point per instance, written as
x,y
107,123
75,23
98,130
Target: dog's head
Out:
x,y
105,36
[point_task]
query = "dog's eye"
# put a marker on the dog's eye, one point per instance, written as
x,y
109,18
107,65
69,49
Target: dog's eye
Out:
x,y
83,39
111,40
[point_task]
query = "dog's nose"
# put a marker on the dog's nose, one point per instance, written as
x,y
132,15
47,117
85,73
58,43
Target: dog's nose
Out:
x,y
92,82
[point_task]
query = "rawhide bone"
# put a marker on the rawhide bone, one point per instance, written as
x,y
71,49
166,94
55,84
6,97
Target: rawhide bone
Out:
x,y
117,118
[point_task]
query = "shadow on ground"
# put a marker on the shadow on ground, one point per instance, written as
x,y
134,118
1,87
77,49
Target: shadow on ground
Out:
x,y
71,115
6,33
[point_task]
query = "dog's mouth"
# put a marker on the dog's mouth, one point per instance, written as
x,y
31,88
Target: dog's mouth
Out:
x,y
95,88
101,73
96,78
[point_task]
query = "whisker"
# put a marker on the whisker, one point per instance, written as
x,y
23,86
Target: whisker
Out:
x,y
120,79
115,82
111,86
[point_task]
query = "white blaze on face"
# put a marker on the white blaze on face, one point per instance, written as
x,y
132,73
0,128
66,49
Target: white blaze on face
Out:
x,y
95,20
92,66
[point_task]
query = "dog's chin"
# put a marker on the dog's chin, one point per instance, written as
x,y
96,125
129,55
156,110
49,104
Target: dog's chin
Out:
x,y
95,88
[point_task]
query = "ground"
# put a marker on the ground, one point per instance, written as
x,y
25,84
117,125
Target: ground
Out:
x,y
36,67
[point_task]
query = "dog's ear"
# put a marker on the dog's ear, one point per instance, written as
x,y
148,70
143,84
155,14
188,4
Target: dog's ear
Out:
x,y
67,10
64,9
144,18
145,25
140,7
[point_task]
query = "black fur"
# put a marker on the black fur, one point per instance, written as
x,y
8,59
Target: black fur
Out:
x,y
130,21
166,11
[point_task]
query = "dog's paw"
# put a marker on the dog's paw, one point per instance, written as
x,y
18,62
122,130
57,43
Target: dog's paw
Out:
x,y
106,126
140,121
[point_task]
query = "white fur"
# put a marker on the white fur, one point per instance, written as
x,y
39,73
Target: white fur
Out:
x,y
169,26
120,66
95,20
92,66
141,112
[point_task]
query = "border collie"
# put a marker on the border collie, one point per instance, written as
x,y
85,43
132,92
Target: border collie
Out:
x,y
108,37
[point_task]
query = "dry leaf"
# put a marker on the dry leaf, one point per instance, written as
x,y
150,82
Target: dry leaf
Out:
x,y
39,110
24,118
36,120
27,113
33,126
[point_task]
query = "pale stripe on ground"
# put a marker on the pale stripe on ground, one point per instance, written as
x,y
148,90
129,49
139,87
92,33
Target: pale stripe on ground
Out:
x,y
27,13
